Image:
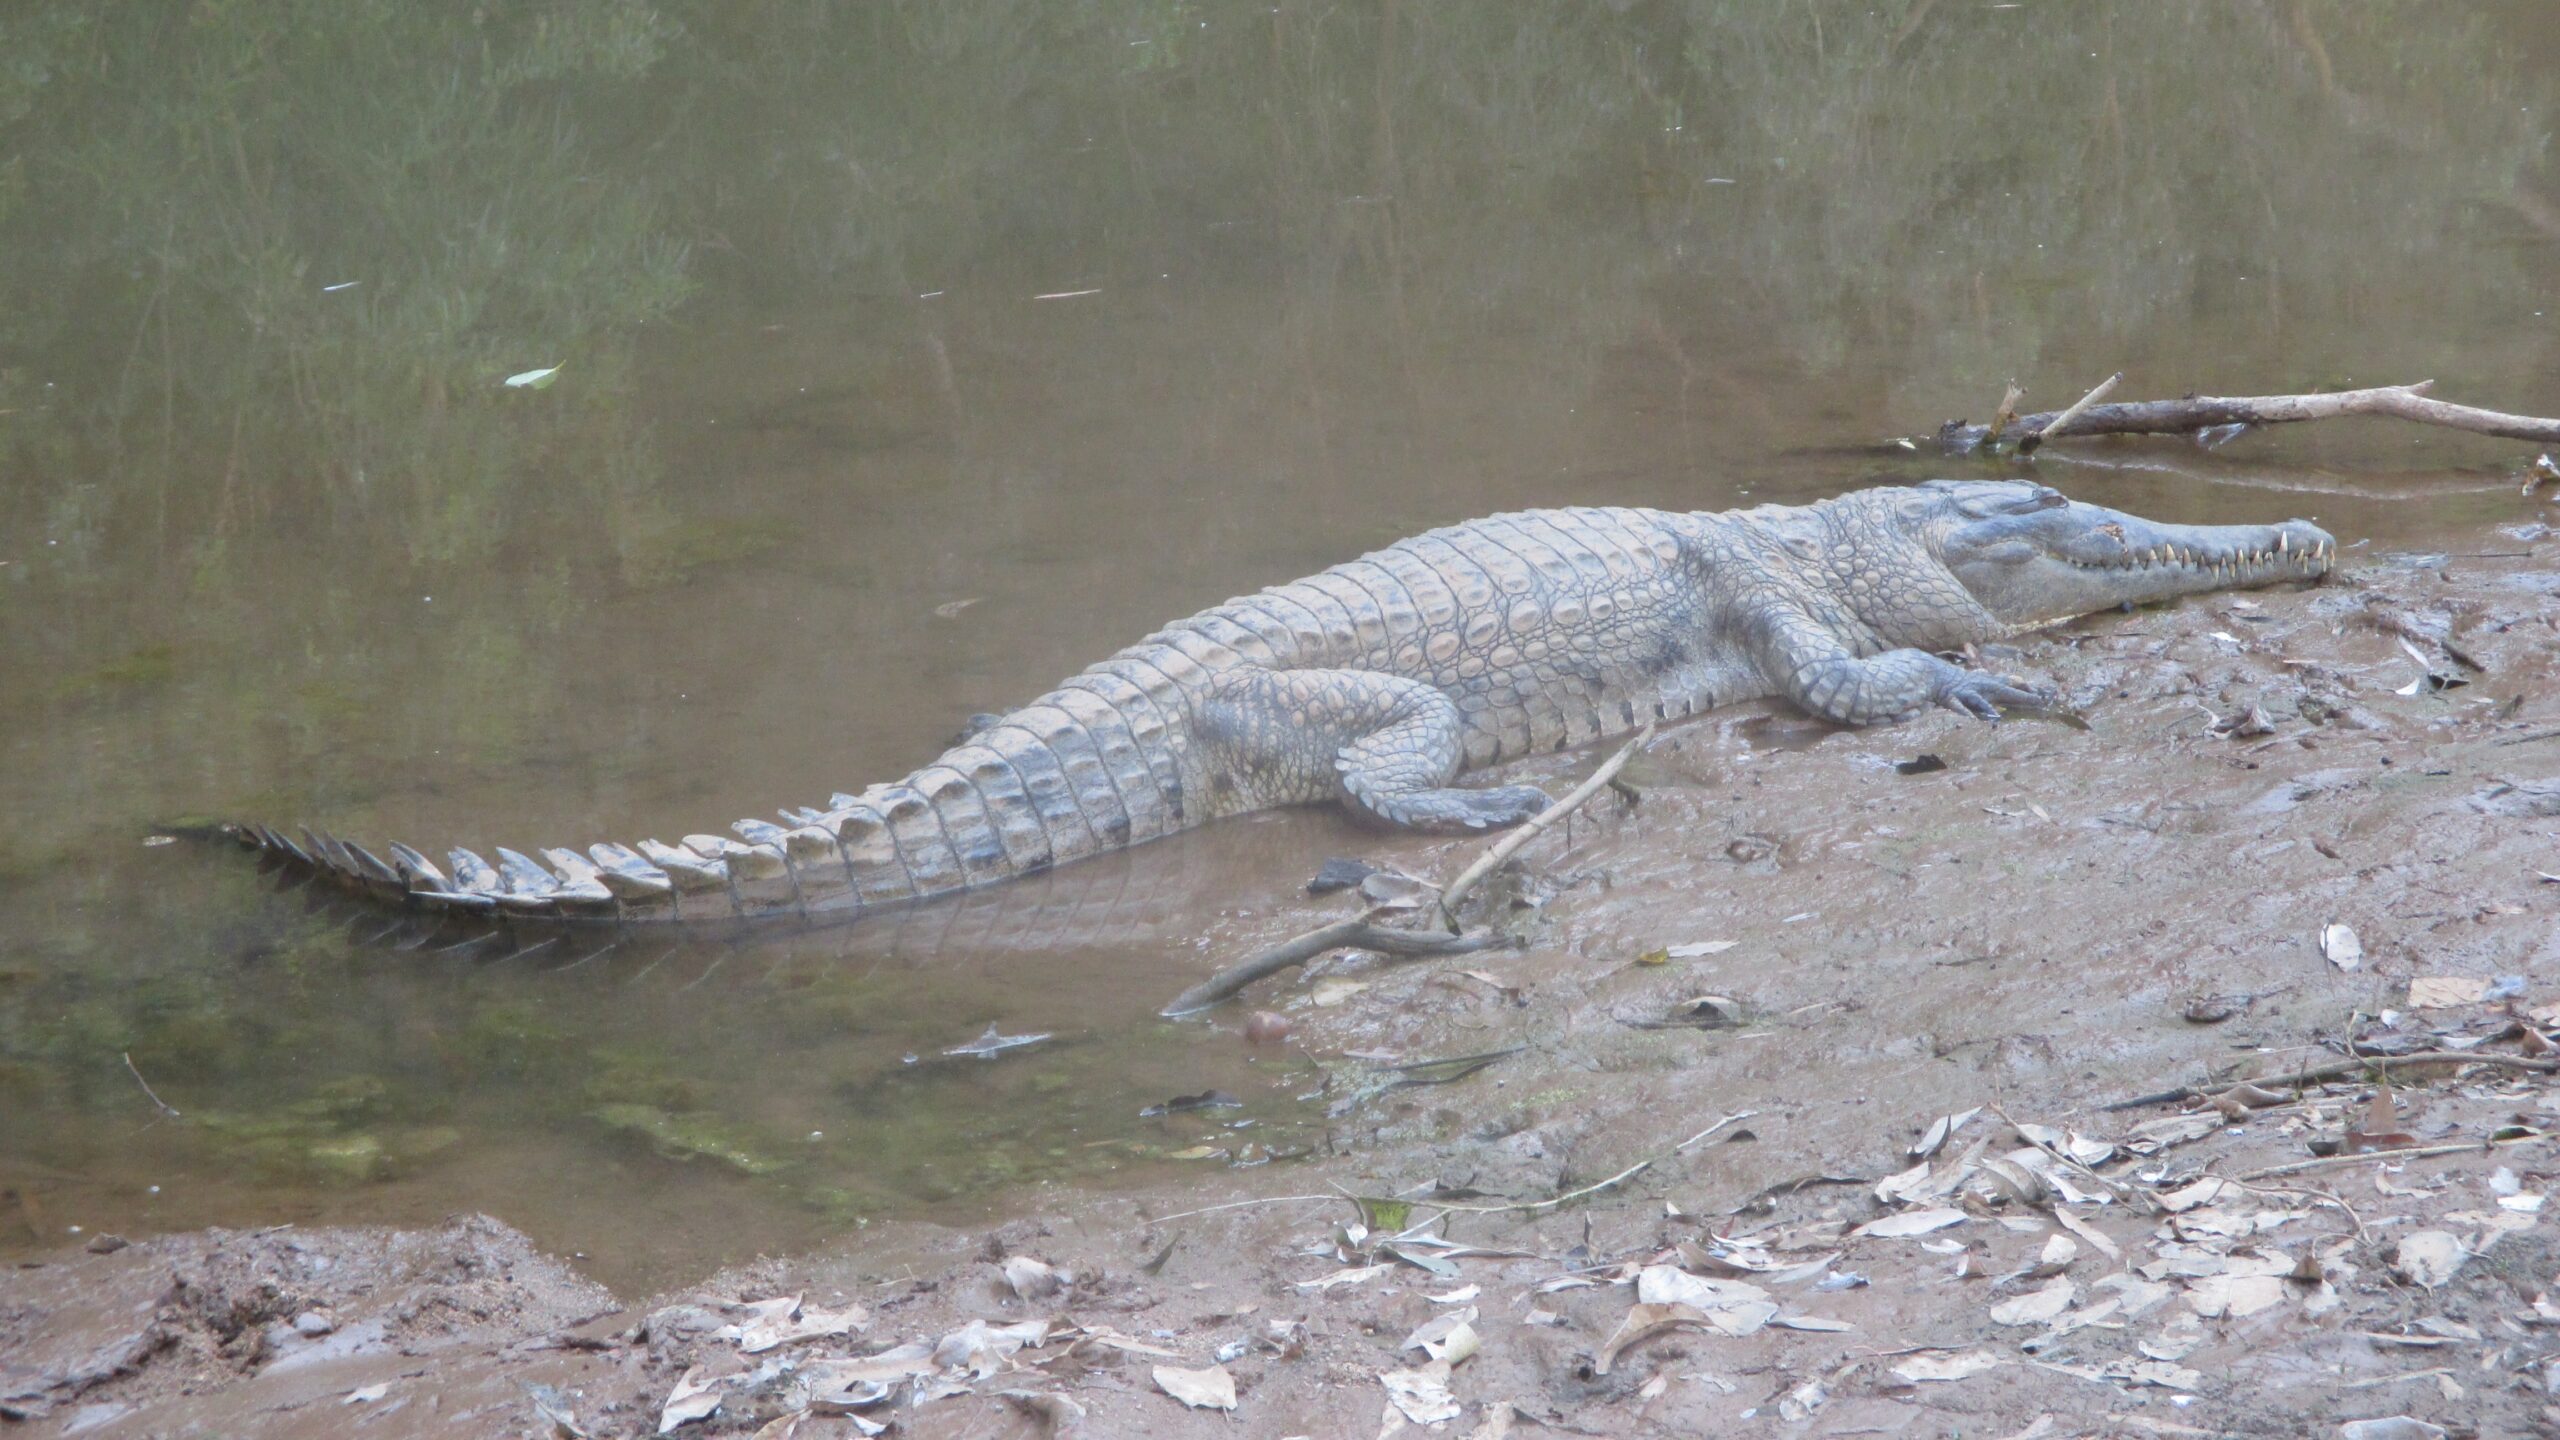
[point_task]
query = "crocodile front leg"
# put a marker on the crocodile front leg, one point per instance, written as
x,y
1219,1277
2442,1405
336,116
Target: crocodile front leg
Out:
x,y
1384,745
1808,664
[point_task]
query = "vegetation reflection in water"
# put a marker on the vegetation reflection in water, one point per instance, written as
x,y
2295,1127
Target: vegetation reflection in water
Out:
x,y
278,540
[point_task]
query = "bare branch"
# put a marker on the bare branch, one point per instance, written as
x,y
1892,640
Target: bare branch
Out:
x,y
2028,442
2201,412
1509,845
1299,949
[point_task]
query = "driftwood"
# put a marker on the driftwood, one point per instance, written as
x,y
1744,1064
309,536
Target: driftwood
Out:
x,y
2354,1067
1301,948
2036,435
2206,412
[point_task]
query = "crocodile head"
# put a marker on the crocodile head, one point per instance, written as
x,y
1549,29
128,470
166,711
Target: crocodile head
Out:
x,y
2031,555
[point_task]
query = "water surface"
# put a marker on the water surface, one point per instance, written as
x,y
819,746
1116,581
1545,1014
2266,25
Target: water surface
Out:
x,y
910,356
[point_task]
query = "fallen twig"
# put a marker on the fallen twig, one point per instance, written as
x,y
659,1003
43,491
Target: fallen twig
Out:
x,y
2473,1147
1299,949
1627,1174
2028,442
2202,412
165,1107
1509,845
2006,414
2341,1070
1683,1146
1156,1220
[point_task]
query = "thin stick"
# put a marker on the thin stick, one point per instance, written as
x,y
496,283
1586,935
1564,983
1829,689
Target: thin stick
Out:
x,y
2028,442
1710,1130
1509,845
1233,1205
1626,1174
165,1107
2007,413
2200,412
2340,1070
1301,948
2476,1147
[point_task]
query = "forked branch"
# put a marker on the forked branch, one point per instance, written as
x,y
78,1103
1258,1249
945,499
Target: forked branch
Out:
x,y
2204,412
1299,949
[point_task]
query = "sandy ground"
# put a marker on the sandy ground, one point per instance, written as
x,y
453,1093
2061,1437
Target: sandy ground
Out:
x,y
1863,948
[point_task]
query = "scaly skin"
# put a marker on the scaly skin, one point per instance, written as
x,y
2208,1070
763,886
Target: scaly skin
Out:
x,y
1379,682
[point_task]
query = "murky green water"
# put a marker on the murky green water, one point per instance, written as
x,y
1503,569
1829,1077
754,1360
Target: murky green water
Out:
x,y
912,355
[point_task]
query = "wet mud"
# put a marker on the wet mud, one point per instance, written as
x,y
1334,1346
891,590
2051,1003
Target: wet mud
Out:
x,y
1801,945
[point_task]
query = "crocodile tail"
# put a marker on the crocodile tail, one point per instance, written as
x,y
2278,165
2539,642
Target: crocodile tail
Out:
x,y
1085,769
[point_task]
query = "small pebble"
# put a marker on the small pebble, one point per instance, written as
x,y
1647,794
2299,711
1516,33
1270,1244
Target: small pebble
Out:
x,y
313,1323
103,1243
1265,1027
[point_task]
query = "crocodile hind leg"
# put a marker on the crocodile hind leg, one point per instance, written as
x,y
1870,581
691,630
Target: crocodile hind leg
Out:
x,y
1384,745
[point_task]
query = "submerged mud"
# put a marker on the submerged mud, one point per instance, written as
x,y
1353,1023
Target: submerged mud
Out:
x,y
1801,933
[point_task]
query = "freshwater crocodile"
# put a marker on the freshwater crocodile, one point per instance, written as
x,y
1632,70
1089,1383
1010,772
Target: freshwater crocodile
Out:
x,y
1379,682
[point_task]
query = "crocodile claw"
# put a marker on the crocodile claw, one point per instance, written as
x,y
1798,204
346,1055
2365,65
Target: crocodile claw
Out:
x,y
1981,696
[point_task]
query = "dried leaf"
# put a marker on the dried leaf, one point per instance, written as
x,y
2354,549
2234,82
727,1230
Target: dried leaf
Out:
x,y
2382,1117
1210,1389
771,1324
1395,891
1642,1323
1940,1366
1811,1322
2097,1239
1939,1132
2443,992
2153,1136
2428,1258
2036,1306
1449,1337
2214,1296
1696,948
694,1398
982,1349
1917,1222
1031,1279
1731,1307
1332,991
881,1369
1359,1276
2178,1202
1103,1335
1423,1394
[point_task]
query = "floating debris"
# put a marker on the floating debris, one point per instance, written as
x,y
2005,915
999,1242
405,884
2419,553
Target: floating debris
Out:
x,y
993,1044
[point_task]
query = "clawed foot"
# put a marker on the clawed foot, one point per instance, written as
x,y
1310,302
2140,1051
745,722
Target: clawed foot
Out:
x,y
1504,805
1971,692
1458,811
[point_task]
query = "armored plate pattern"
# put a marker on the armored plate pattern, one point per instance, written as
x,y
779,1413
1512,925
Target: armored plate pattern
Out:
x,y
1378,682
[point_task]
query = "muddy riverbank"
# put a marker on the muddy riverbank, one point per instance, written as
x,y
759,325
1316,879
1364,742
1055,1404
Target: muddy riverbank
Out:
x,y
1810,944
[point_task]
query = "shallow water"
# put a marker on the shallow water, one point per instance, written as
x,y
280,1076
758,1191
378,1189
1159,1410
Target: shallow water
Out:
x,y
913,357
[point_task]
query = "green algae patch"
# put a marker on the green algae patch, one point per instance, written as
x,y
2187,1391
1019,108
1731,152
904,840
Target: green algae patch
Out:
x,y
692,1135
136,670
